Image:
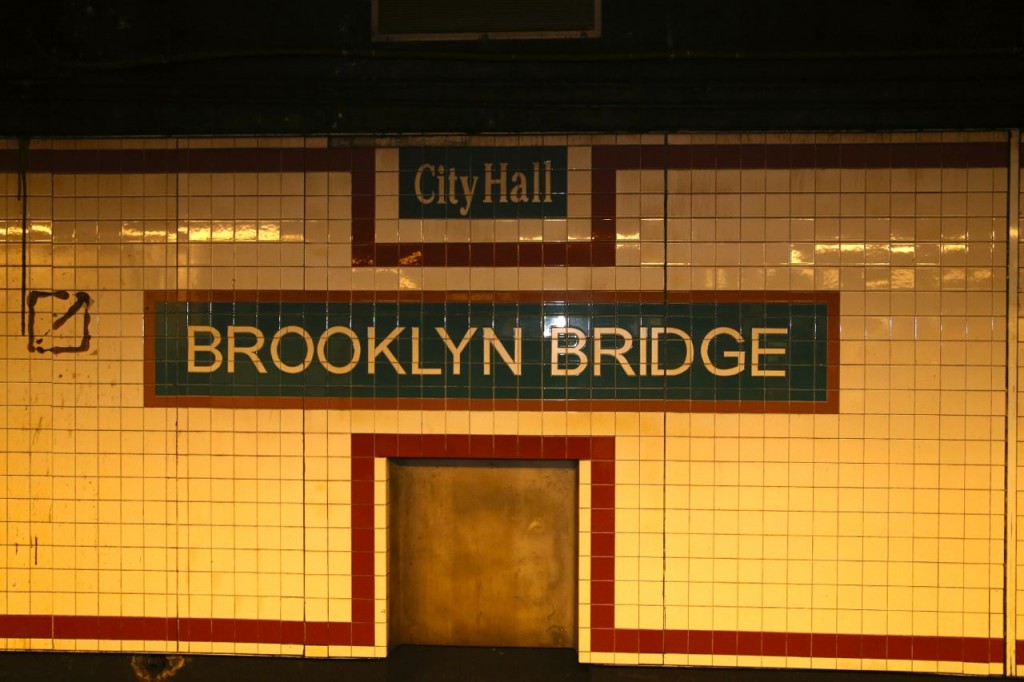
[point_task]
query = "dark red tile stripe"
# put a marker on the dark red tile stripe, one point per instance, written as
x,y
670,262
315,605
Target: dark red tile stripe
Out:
x,y
786,156
364,196
605,161
603,158
450,446
363,549
602,551
359,632
211,160
497,254
176,629
809,645
605,636
828,406
480,296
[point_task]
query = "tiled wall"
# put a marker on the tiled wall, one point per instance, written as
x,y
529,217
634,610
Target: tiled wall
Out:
x,y
1014,550
870,536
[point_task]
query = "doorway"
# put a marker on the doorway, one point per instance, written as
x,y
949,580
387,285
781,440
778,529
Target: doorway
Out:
x,y
483,552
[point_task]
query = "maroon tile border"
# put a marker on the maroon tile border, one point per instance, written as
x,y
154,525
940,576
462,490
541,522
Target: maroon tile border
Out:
x,y
597,252
175,629
606,160
752,156
202,160
360,631
828,406
605,637
604,157
803,645
480,296
498,446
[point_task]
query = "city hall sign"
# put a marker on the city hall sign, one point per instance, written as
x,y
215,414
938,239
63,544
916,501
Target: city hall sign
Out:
x,y
720,351
482,182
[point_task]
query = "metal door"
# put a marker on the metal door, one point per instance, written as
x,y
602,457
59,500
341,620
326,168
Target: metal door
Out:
x,y
483,553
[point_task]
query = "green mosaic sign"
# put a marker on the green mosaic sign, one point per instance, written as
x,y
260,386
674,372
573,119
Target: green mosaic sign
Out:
x,y
700,351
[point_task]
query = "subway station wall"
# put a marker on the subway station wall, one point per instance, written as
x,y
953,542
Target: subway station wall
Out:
x,y
782,362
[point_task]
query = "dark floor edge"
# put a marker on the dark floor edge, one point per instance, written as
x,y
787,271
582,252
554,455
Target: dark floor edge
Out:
x,y
405,663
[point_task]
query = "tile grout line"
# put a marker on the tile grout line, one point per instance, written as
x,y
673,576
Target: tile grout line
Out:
x,y
1012,359
664,416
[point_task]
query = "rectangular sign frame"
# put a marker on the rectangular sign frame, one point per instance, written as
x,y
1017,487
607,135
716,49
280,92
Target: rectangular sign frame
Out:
x,y
159,390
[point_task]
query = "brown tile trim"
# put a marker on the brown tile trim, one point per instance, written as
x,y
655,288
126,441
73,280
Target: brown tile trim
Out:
x,y
598,251
149,332
606,161
603,158
360,631
364,198
787,156
830,406
492,254
605,637
365,447
803,645
476,446
416,295
761,296
172,629
359,161
211,160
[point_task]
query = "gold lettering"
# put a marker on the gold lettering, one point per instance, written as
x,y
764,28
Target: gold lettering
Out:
x,y
415,365
520,193
424,199
492,342
455,350
275,349
321,350
557,333
656,369
195,347
501,183
757,350
453,188
740,356
249,352
468,191
618,353
643,351
374,349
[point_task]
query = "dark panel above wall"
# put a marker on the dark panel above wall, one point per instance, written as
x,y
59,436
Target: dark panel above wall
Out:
x,y
456,19
78,67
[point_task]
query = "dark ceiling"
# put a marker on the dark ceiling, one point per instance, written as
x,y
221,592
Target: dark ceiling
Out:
x,y
126,67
